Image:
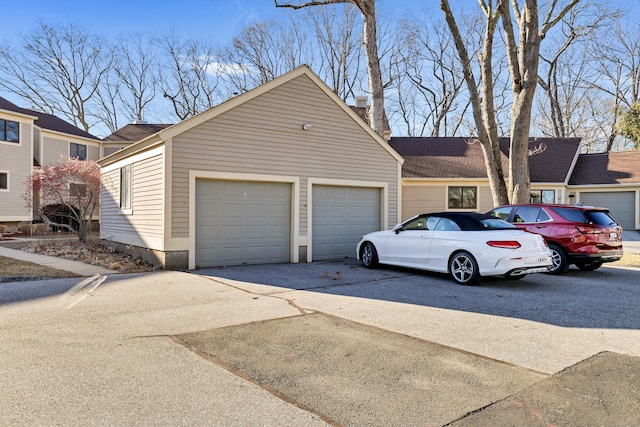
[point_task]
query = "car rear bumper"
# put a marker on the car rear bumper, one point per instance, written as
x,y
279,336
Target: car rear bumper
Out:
x,y
608,256
535,262
529,270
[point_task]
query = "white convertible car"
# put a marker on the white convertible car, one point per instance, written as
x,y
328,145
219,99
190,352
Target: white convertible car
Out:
x,y
466,245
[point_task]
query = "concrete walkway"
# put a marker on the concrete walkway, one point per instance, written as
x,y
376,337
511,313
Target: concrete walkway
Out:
x,y
76,267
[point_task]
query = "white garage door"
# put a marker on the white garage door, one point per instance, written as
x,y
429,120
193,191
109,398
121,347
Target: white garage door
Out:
x,y
341,216
621,204
242,223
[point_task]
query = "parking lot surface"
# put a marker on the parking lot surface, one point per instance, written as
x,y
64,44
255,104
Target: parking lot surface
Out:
x,y
137,349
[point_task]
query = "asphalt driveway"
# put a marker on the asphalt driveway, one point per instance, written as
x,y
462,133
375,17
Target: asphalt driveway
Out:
x,y
148,349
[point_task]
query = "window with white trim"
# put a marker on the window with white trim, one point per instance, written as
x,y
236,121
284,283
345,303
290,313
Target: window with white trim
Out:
x,y
9,131
542,196
79,151
463,198
4,181
125,187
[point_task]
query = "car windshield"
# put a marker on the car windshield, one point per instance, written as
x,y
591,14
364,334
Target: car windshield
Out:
x,y
496,224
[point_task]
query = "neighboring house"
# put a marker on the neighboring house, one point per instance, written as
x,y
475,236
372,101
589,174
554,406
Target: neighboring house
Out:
x,y
28,140
286,172
611,180
450,174
129,134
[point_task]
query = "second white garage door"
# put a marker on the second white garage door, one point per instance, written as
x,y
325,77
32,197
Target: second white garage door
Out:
x,y
242,222
341,216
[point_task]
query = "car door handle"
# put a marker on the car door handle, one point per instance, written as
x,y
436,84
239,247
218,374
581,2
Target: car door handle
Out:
x,y
424,237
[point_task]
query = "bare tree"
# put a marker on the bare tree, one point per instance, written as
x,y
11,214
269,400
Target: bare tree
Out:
x,y
618,71
482,102
370,42
430,83
137,70
263,51
58,70
522,51
190,79
566,73
339,49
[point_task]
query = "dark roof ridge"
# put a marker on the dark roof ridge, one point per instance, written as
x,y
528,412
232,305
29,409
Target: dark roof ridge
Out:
x,y
46,120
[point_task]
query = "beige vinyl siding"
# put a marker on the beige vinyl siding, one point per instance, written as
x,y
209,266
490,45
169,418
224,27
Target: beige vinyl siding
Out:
x,y
265,136
110,150
420,197
485,200
109,203
93,152
52,148
16,160
144,226
417,199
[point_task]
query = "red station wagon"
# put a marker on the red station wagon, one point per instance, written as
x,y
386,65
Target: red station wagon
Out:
x,y
586,236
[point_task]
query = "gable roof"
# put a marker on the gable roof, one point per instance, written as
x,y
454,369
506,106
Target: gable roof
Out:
x,y
607,168
190,123
134,132
46,121
552,159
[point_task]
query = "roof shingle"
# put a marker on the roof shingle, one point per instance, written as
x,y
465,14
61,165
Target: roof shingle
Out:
x,y
46,121
550,159
607,168
135,132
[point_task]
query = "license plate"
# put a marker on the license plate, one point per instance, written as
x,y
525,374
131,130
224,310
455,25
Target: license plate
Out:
x,y
614,235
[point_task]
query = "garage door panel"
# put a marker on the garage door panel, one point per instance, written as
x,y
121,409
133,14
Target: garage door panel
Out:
x,y
242,222
621,204
339,217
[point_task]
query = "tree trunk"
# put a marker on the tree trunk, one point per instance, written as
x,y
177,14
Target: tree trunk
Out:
x,y
524,74
482,103
369,38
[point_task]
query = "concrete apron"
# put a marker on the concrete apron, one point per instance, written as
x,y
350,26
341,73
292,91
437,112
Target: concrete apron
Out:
x,y
106,353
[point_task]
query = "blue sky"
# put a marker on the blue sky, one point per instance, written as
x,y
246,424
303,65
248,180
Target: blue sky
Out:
x,y
218,20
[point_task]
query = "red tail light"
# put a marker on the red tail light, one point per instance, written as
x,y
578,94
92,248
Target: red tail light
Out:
x,y
589,230
506,244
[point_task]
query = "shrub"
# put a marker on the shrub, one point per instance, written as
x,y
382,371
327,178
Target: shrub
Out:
x,y
34,229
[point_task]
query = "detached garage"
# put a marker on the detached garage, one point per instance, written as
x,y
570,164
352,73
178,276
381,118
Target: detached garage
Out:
x,y
286,172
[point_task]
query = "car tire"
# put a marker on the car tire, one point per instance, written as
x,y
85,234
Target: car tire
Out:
x,y
589,266
463,268
369,255
559,263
